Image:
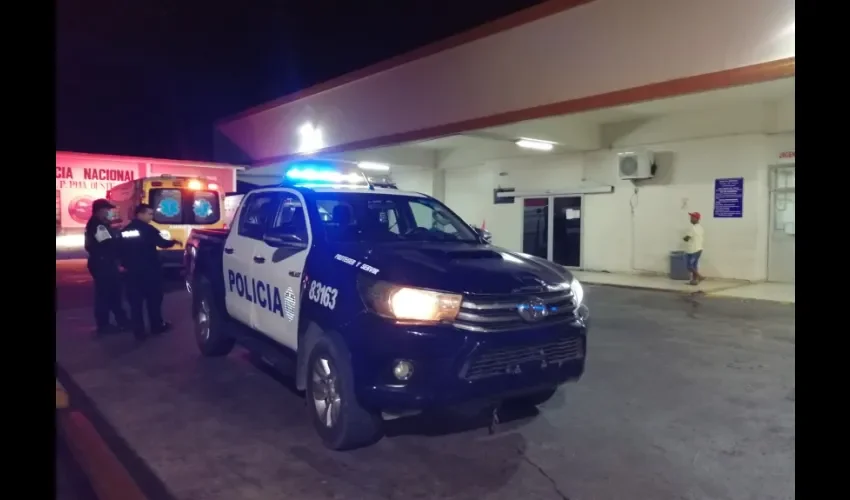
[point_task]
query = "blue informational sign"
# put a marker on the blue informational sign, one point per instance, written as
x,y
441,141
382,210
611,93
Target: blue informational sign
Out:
x,y
729,197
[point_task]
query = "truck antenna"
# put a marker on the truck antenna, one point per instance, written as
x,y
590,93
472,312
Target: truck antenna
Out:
x,y
368,181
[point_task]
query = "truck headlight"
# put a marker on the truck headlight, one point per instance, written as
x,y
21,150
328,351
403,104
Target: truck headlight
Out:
x,y
578,291
417,305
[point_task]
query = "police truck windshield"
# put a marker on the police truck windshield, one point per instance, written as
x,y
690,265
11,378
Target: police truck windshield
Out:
x,y
185,206
377,217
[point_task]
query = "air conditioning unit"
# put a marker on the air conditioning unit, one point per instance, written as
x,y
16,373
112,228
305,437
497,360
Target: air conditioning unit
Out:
x,y
633,165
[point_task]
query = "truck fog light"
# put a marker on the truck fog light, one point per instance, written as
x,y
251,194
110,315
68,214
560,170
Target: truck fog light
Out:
x,y
583,312
403,370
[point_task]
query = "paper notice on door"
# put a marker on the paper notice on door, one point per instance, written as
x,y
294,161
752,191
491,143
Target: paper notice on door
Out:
x,y
789,228
573,213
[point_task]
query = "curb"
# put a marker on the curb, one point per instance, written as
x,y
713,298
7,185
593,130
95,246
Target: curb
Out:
x,y
61,396
107,476
696,292
113,469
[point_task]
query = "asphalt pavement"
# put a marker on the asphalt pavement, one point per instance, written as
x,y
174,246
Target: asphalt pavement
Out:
x,y
685,397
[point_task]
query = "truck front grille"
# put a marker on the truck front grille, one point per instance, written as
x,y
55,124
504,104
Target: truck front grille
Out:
x,y
495,313
508,361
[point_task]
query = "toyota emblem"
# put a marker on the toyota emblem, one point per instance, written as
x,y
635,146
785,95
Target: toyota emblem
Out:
x,y
533,310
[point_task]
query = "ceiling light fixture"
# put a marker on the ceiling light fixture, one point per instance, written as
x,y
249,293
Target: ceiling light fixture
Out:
x,y
535,144
369,165
311,139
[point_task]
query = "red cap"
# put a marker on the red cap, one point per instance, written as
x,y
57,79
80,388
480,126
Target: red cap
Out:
x,y
695,215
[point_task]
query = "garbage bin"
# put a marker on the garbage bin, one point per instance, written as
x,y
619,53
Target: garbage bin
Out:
x,y
679,266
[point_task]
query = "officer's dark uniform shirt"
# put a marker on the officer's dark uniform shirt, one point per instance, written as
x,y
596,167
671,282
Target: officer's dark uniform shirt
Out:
x,y
139,241
101,243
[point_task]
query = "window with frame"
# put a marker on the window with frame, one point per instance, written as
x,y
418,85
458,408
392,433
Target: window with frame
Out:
x,y
378,217
291,218
784,199
259,210
205,207
167,205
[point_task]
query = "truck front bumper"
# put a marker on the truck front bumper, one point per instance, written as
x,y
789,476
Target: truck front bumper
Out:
x,y
452,367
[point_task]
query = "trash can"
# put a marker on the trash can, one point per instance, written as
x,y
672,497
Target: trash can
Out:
x,y
679,266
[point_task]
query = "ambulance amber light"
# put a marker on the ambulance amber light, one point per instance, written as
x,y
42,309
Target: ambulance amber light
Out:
x,y
195,184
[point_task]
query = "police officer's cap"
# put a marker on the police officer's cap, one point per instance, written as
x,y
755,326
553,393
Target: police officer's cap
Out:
x,y
100,204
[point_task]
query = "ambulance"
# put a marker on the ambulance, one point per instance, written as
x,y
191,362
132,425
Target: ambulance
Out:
x,y
180,204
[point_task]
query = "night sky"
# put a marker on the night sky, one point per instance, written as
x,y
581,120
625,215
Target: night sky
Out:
x,y
149,78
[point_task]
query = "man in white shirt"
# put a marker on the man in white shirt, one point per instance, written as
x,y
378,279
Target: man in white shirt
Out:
x,y
693,251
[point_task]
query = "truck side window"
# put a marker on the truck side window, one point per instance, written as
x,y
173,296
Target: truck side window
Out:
x,y
259,210
290,219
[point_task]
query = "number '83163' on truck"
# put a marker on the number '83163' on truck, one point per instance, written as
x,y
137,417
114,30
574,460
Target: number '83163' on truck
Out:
x,y
382,303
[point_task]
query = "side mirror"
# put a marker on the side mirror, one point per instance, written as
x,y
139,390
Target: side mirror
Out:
x,y
278,239
484,234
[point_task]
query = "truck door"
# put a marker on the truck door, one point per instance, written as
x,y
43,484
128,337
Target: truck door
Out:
x,y
280,259
240,281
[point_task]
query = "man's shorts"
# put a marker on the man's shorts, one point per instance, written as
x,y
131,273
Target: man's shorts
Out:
x,y
692,260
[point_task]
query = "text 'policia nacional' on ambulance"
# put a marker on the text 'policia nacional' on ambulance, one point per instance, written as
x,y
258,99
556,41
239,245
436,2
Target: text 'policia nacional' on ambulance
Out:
x,y
381,303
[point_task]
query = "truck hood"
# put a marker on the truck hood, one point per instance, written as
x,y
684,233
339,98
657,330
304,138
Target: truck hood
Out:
x,y
458,267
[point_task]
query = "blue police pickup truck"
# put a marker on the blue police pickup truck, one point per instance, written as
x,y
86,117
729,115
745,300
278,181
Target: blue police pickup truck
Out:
x,y
382,303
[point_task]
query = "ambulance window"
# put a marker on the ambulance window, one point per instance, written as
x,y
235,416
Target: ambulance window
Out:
x,y
167,205
205,207
258,210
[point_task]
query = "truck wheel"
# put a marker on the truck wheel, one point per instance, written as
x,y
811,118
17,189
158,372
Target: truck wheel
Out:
x,y
533,399
337,416
210,327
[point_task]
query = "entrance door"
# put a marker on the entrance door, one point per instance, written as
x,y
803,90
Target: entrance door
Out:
x,y
781,247
566,234
535,227
551,229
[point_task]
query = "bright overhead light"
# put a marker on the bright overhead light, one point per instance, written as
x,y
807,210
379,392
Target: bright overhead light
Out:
x,y
535,144
368,165
311,139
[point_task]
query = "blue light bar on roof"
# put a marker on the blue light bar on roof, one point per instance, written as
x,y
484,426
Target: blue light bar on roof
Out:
x,y
318,175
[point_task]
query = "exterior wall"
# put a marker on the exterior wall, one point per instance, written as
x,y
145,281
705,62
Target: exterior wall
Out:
x,y
420,180
602,47
692,150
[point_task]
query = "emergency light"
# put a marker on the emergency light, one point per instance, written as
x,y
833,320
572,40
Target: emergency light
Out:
x,y
321,175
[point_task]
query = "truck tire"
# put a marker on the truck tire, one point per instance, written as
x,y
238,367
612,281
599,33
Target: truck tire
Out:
x,y
334,410
210,327
533,399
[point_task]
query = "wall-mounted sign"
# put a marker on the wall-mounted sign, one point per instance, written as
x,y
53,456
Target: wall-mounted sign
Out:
x,y
80,182
729,198
503,200
788,157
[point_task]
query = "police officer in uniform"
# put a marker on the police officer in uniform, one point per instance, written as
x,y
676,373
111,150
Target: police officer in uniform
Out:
x,y
101,243
139,241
